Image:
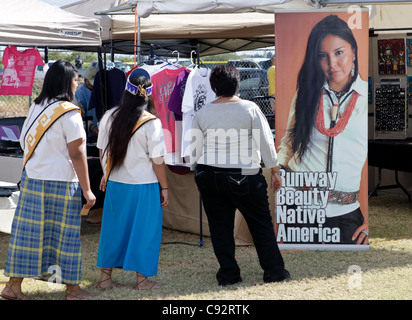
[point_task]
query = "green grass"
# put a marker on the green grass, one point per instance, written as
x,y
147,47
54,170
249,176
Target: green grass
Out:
x,y
187,272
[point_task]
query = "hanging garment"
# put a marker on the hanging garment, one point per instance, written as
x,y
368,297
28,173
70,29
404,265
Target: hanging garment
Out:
x,y
163,84
198,93
176,98
115,84
19,71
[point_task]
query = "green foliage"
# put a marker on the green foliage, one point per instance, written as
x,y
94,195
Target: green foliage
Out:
x,y
87,57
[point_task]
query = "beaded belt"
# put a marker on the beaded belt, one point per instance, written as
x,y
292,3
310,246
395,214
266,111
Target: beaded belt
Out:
x,y
342,197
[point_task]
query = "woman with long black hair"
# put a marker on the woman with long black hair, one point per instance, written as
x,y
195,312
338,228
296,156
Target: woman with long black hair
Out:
x,y
327,125
45,235
131,146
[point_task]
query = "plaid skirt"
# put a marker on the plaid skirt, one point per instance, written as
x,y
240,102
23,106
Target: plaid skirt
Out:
x,y
45,235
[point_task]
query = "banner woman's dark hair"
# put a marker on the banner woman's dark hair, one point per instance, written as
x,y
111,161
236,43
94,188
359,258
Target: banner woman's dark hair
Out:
x,y
311,79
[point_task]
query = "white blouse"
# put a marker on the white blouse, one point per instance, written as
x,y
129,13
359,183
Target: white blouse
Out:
x,y
349,149
146,143
50,159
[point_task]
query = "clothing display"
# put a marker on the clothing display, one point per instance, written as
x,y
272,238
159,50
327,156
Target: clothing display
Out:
x,y
115,84
178,93
169,87
198,93
19,71
176,98
163,83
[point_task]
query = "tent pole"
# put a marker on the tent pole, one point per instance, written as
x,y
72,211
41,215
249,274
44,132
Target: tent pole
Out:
x,y
112,51
46,55
139,40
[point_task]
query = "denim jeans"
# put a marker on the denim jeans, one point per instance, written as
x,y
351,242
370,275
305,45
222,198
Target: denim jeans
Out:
x,y
223,191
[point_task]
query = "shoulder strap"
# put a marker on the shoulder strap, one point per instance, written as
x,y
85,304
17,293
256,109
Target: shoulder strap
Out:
x,y
106,161
43,122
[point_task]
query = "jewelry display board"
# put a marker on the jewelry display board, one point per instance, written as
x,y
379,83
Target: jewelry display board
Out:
x,y
390,86
391,111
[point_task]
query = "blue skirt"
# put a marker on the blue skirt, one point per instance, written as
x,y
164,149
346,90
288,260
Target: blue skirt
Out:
x,y
45,235
131,229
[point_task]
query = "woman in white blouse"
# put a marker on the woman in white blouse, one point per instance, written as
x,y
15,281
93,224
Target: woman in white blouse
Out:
x,y
136,187
45,237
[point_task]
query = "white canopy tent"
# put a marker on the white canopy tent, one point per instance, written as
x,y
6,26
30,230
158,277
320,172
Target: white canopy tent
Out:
x,y
36,23
216,25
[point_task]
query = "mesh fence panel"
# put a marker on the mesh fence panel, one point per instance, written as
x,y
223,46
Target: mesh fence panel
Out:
x,y
254,86
18,106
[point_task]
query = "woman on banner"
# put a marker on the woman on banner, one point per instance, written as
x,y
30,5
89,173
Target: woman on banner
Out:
x,y
45,237
327,125
132,147
230,135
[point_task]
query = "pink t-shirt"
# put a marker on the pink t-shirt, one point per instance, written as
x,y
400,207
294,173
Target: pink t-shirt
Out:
x,y
163,84
19,69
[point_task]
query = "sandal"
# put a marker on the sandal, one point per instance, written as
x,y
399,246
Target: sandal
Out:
x,y
75,293
109,277
151,284
16,295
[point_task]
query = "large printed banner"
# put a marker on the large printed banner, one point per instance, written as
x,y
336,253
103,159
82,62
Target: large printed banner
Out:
x,y
322,129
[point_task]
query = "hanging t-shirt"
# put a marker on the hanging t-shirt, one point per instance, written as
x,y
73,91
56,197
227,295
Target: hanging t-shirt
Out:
x,y
155,68
115,84
163,84
19,70
176,98
198,93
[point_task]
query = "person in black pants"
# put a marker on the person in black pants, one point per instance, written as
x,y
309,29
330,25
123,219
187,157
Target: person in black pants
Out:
x,y
230,135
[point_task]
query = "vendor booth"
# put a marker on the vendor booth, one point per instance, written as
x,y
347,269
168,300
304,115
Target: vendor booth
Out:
x,y
165,23
240,26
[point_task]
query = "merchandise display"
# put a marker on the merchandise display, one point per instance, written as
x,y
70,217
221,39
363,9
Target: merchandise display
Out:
x,y
391,113
391,88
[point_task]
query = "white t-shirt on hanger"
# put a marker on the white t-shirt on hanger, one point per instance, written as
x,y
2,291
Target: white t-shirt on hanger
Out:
x,y
198,93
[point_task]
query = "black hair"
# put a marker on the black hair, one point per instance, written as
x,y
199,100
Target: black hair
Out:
x,y
125,118
58,82
225,80
311,79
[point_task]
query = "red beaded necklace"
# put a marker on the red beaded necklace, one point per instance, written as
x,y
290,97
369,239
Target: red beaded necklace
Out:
x,y
343,121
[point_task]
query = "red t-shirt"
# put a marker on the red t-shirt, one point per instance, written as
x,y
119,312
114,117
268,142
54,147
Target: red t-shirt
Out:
x,y
163,84
19,69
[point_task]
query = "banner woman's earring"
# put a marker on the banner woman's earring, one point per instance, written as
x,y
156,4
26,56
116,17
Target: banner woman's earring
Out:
x,y
352,72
